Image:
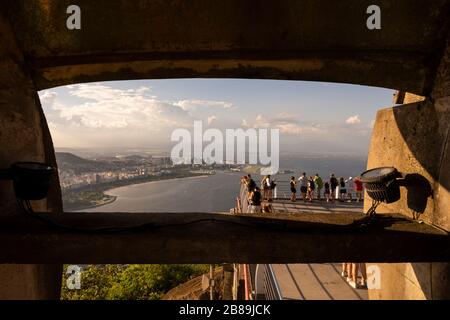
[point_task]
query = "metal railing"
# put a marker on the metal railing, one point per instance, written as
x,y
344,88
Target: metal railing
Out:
x,y
272,290
283,191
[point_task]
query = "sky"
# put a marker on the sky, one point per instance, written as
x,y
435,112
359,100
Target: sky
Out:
x,y
312,117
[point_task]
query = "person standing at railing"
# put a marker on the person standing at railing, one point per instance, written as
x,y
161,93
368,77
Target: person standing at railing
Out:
x,y
251,184
303,181
333,185
319,185
255,201
342,189
293,183
358,188
327,191
266,186
311,188
350,188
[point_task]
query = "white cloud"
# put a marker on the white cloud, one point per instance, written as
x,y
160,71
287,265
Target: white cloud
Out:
x,y
353,119
194,104
211,119
99,114
114,108
47,97
285,122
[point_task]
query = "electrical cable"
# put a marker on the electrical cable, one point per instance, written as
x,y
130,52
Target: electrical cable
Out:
x,y
26,207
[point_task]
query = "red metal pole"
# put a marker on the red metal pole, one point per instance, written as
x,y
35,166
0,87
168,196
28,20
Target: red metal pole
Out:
x,y
246,282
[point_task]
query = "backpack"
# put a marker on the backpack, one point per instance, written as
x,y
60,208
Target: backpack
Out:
x,y
256,198
251,184
333,182
272,185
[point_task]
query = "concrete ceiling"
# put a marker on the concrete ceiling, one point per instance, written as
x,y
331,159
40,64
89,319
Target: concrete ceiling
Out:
x,y
276,39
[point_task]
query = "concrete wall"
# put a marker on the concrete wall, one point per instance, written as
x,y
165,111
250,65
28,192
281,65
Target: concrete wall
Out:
x,y
24,136
415,139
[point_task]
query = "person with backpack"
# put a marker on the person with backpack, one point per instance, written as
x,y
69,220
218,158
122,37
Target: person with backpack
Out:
x,y
251,184
293,183
319,185
255,201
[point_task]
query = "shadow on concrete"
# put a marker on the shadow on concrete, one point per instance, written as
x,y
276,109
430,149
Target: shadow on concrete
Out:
x,y
419,125
418,191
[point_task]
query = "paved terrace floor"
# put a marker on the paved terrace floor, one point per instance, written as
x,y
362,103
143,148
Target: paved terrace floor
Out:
x,y
315,281
320,281
316,206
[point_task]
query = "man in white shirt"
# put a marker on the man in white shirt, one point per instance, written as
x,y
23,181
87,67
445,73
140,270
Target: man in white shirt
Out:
x,y
303,182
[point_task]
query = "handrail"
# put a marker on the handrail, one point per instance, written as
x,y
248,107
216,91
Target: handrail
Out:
x,y
283,190
272,288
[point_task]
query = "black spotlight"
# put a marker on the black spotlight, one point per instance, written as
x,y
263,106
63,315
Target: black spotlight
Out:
x,y
31,180
381,185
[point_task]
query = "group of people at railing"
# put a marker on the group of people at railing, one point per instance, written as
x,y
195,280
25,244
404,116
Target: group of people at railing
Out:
x,y
334,189
259,197
313,187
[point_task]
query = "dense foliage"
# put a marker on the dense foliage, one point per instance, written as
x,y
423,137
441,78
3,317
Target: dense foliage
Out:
x,y
129,282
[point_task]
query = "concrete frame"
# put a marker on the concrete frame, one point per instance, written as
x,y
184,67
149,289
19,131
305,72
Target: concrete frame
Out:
x,y
231,39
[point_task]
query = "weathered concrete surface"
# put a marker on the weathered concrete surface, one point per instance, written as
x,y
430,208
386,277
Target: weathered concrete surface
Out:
x,y
22,134
277,39
218,238
415,139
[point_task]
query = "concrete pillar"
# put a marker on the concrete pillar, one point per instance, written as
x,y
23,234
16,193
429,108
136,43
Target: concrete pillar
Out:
x,y
415,139
24,136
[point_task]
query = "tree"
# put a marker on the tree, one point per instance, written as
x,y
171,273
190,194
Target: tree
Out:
x,y
130,282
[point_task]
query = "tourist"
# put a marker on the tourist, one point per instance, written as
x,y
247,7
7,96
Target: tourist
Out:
x,y
342,189
244,183
346,270
293,183
311,188
251,184
255,201
319,185
352,275
350,189
333,185
327,191
265,185
273,185
303,181
358,188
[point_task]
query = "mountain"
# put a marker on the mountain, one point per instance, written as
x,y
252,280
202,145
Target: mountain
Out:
x,y
69,161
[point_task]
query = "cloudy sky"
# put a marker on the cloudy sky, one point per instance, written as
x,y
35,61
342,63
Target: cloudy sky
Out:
x,y
312,117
